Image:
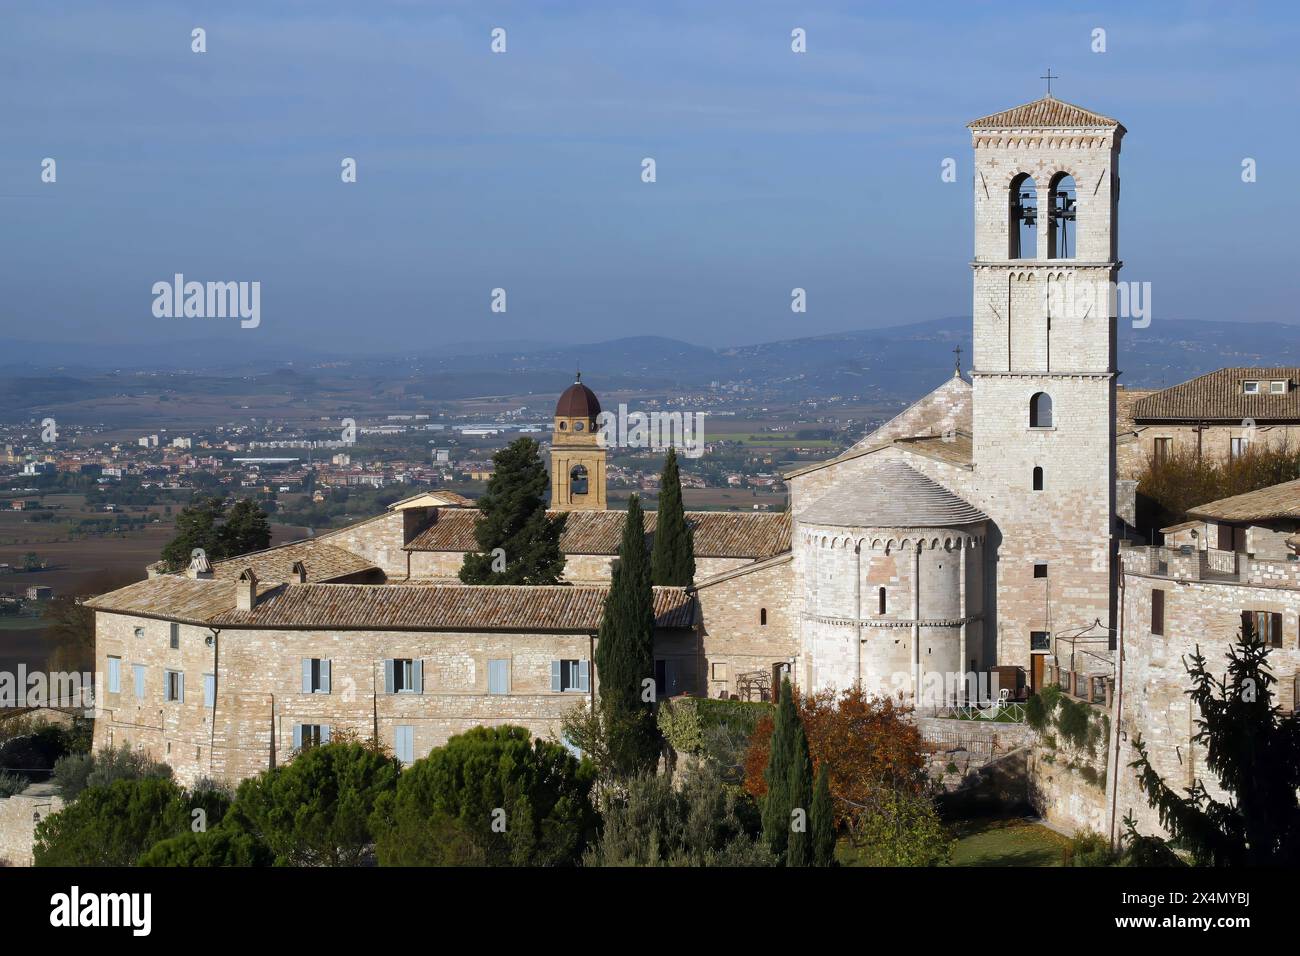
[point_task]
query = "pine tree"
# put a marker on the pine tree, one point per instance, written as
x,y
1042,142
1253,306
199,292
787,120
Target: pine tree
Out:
x,y
1253,749
245,530
625,653
672,559
518,543
823,820
196,527
789,785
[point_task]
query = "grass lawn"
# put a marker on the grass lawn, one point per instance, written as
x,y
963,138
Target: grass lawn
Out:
x,y
1006,842
989,842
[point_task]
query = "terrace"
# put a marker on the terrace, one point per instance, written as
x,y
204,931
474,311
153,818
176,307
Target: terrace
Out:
x,y
1187,563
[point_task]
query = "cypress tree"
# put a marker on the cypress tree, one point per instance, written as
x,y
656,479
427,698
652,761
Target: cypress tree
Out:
x,y
799,849
789,785
514,524
672,560
625,653
823,820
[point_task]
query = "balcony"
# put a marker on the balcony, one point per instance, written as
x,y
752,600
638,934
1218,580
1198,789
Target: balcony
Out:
x,y
1210,565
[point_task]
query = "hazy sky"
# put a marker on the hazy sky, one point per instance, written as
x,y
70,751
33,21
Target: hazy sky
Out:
x,y
522,170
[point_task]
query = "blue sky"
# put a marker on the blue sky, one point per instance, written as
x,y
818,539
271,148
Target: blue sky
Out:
x,y
522,170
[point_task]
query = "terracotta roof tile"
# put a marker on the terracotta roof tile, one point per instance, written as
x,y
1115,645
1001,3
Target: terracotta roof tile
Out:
x,y
1266,504
1219,396
376,606
324,562
1045,112
718,534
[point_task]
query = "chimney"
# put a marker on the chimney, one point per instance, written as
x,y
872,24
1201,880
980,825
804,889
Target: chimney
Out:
x,y
299,573
200,569
246,590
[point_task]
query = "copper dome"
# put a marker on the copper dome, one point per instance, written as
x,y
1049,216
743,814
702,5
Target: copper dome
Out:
x,y
578,401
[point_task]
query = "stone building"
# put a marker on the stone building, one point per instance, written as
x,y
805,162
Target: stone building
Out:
x,y
1215,416
1235,563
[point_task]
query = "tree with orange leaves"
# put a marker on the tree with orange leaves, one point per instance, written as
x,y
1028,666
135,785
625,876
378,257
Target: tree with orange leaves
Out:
x,y
864,742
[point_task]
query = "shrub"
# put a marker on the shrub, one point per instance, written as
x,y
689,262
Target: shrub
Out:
x,y
702,824
1087,848
316,810
494,796
115,825
75,772
11,783
219,847
901,828
1073,721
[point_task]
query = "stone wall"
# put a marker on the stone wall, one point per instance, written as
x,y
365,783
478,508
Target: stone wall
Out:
x,y
734,639
1153,681
259,696
18,824
1213,442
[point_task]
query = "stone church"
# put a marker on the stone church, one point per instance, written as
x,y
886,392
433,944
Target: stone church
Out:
x,y
965,534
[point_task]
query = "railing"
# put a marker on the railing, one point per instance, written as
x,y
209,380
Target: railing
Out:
x,y
1009,712
1214,561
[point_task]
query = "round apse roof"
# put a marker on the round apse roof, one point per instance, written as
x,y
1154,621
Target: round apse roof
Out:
x,y
893,494
578,401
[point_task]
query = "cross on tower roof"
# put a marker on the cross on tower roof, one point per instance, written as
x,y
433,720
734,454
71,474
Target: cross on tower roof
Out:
x,y
957,364
1048,77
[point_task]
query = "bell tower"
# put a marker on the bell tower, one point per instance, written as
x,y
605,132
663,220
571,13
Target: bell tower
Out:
x,y
577,458
1043,377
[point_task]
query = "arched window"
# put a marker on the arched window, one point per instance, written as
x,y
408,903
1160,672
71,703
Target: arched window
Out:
x,y
1022,227
1038,478
1040,410
762,616
578,480
1063,206
881,599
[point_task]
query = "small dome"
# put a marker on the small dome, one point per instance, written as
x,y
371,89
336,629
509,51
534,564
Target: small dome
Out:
x,y
892,495
578,401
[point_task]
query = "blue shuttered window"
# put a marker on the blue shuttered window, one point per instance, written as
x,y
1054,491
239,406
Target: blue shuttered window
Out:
x,y
115,675
139,680
499,677
315,675
571,675
403,675
209,690
404,743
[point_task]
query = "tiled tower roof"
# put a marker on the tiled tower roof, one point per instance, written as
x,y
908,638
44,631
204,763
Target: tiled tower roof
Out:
x,y
1045,112
892,495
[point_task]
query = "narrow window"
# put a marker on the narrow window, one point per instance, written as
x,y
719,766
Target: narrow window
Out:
x,y
1038,478
1238,447
1040,410
880,601
1157,612
499,676
663,679
209,690
115,675
175,635
1022,227
762,617
1161,448
1062,208
174,686
138,674
578,480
